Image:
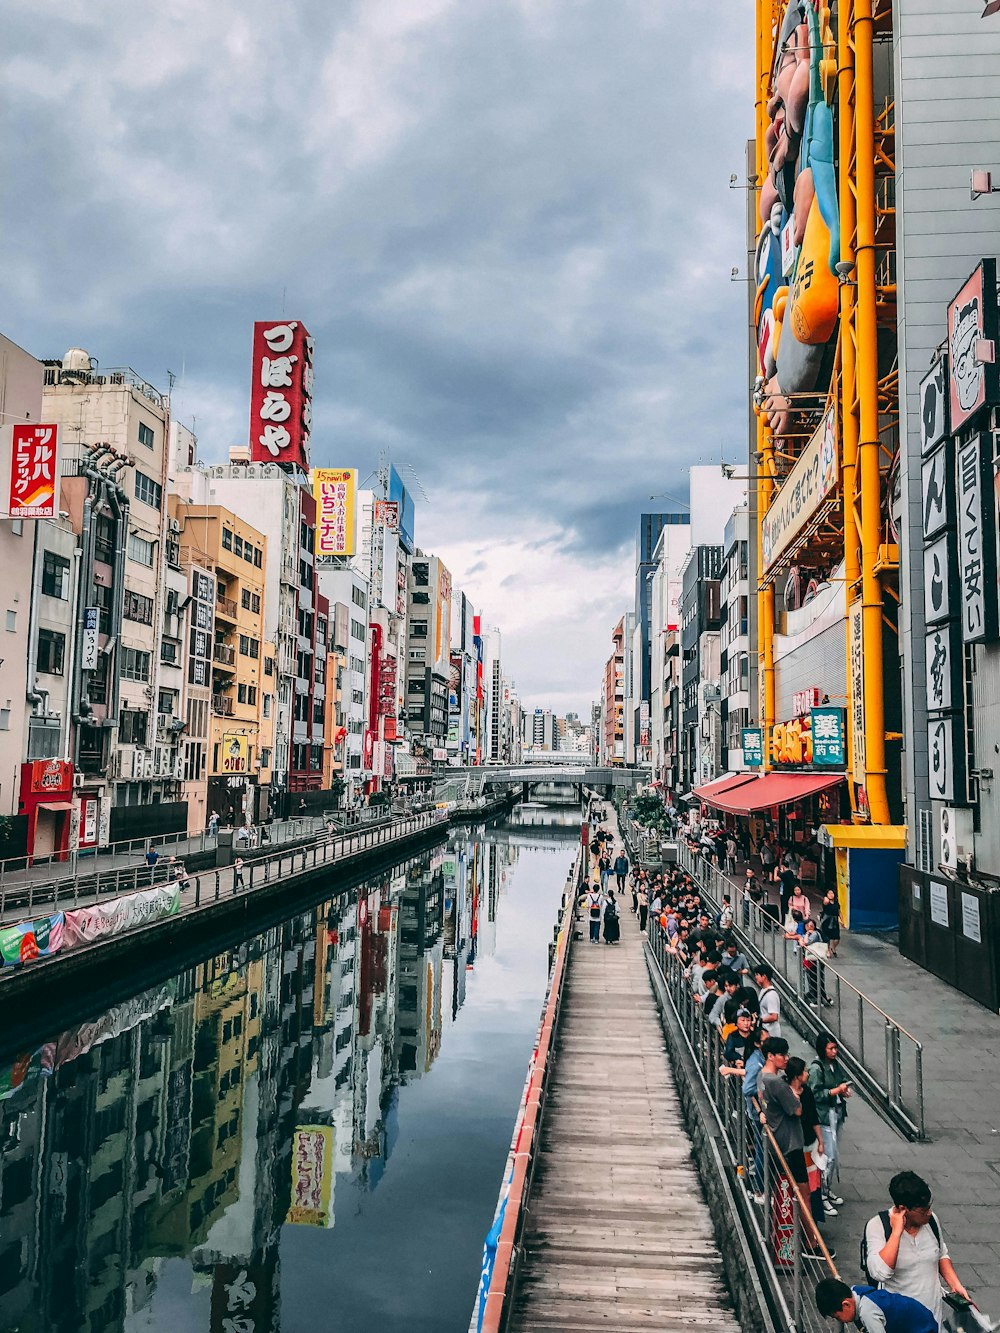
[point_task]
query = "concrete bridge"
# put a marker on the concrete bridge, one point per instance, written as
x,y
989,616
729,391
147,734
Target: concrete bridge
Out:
x,y
453,783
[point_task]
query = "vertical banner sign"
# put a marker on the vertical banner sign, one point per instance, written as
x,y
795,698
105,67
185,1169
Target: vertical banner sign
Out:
x,y
827,726
942,661
281,394
934,406
334,490
977,553
941,758
312,1167
33,464
856,661
936,477
753,746
88,650
972,321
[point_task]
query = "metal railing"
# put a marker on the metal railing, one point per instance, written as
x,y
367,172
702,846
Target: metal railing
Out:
x,y
102,869
205,886
876,1048
779,1215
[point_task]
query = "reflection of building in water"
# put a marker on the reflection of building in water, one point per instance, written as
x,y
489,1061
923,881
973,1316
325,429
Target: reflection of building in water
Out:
x,y
421,945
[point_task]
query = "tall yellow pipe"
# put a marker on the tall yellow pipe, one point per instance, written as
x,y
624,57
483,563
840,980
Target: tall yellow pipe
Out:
x,y
868,438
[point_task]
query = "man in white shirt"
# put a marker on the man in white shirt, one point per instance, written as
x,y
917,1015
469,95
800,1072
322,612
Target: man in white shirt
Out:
x,y
912,1258
770,1004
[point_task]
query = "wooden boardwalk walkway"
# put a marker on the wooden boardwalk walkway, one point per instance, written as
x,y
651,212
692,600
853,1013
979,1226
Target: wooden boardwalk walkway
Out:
x,y
617,1234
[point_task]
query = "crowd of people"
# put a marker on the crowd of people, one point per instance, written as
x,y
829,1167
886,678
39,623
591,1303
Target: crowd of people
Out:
x,y
797,1106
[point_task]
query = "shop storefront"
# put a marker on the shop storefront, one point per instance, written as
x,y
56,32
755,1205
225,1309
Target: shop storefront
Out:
x,y
46,797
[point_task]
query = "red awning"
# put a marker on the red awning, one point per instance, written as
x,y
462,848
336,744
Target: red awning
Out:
x,y
720,785
55,805
761,793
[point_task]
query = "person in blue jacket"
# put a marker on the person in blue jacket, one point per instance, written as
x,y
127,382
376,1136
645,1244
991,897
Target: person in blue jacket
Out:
x,y
873,1308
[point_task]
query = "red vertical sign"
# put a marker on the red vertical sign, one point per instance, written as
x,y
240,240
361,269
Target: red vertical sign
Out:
x,y
281,393
33,462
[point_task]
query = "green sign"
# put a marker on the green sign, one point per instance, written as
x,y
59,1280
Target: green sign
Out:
x,y
827,726
753,747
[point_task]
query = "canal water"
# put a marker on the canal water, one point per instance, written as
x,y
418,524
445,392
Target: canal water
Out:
x,y
304,1133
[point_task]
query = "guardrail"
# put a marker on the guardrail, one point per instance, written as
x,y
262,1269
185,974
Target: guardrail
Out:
x,y
876,1048
500,1263
776,1212
202,887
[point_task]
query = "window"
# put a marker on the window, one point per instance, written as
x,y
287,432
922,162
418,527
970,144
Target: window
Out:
x,y
357,696
147,490
358,596
248,552
146,436
320,630
267,705
358,630
135,664
98,689
132,727
166,702
246,694
104,539
12,621
268,666
249,647
250,601
55,576
172,602
418,629
103,601
169,649
227,539
258,557
421,574
51,652
138,607
4,719
237,545
140,550
265,757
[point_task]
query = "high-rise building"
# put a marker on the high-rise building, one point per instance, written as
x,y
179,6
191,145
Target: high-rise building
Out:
x,y
428,665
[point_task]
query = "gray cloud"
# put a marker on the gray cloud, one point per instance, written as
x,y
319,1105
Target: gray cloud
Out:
x,y
506,222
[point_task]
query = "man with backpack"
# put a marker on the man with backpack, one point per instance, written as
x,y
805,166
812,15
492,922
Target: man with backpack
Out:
x,y
903,1249
872,1308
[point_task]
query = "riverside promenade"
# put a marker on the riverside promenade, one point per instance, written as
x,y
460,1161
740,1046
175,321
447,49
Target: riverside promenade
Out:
x,y
605,1224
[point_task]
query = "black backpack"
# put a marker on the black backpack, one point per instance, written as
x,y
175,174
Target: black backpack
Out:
x,y
883,1217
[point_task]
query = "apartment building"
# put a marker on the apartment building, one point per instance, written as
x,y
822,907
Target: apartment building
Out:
x,y
428,665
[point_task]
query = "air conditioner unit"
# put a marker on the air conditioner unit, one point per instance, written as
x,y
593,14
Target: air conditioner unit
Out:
x,y
955,828
173,525
79,781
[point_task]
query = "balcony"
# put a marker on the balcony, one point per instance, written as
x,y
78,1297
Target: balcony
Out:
x,y
222,705
224,654
225,607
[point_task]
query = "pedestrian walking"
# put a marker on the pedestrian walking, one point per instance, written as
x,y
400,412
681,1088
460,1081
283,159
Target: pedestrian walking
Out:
x,y
238,873
621,869
872,1308
829,922
904,1249
770,1005
594,905
213,823
643,900
612,926
731,851
302,805
831,1090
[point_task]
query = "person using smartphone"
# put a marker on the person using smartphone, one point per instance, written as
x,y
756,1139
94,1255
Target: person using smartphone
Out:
x,y
904,1249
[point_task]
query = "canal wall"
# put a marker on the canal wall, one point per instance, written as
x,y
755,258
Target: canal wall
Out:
x,y
51,988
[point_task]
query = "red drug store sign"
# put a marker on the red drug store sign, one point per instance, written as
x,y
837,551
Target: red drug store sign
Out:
x,y
281,394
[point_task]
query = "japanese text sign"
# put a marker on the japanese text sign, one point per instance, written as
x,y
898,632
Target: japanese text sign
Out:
x,y
33,471
281,394
814,476
334,490
977,555
753,746
828,746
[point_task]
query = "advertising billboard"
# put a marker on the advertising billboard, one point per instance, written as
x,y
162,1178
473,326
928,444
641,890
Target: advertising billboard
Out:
x,y
810,481
973,380
401,497
33,471
281,393
235,754
335,493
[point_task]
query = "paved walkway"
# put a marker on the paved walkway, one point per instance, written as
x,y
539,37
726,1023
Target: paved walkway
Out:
x,y
617,1234
961,1160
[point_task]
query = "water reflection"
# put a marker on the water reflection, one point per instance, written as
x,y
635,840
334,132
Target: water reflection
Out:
x,y
179,1161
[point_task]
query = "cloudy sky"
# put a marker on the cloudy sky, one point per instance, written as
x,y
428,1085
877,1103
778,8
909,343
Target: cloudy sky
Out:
x,y
507,223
